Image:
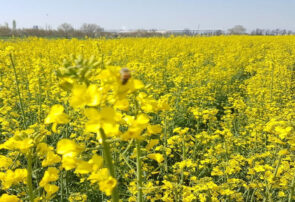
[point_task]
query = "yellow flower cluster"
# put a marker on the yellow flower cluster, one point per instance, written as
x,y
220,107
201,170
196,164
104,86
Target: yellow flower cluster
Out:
x,y
148,119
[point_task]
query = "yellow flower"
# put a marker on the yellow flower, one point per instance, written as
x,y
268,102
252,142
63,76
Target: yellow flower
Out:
x,y
78,197
122,104
216,171
68,148
281,194
69,151
283,152
56,116
66,83
9,198
154,129
83,167
99,175
147,104
157,157
51,158
20,175
21,145
69,162
124,89
107,185
13,177
151,144
142,119
85,96
24,145
106,119
259,168
50,190
136,126
96,162
163,104
180,131
5,162
50,175
43,149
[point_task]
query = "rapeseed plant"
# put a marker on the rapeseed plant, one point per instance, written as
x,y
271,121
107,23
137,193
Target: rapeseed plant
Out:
x,y
147,119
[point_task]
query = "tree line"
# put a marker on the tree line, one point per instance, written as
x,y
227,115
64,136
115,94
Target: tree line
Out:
x,y
66,30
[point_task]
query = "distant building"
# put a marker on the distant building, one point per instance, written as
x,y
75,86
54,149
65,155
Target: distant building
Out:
x,y
162,31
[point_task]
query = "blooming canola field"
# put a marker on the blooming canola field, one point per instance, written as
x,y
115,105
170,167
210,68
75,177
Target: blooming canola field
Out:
x,y
148,119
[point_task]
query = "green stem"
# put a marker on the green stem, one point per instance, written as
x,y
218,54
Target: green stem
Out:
x,y
61,186
196,144
139,173
272,81
183,158
165,145
29,177
66,184
109,163
292,190
269,194
252,196
18,90
40,100
277,167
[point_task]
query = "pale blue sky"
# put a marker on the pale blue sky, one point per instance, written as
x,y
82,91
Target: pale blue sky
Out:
x,y
149,14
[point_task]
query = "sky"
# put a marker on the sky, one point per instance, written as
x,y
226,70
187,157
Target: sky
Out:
x,y
151,14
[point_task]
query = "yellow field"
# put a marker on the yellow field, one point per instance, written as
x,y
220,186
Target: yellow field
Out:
x,y
200,119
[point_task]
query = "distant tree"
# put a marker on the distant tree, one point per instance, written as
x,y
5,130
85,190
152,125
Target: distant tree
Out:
x,y
275,32
237,29
66,29
268,32
5,31
283,32
187,31
48,27
153,30
91,30
218,32
258,32
14,25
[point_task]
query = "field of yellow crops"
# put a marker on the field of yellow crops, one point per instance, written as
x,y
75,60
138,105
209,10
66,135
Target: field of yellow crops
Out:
x,y
199,119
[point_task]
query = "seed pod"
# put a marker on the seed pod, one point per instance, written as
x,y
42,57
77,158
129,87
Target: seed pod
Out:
x,y
125,75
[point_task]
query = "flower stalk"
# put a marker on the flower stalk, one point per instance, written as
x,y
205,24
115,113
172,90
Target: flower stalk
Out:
x,y
139,172
29,177
109,163
18,90
292,190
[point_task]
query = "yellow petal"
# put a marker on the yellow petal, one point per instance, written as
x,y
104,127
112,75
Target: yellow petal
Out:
x,y
157,157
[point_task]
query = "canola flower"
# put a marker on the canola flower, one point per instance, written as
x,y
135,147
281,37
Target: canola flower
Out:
x,y
56,116
148,119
